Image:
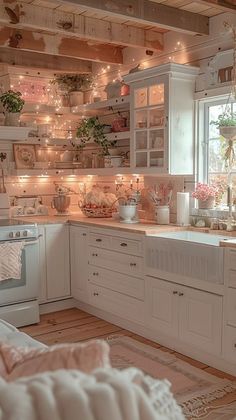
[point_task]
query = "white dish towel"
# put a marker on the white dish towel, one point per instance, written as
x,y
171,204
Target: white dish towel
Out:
x,y
10,260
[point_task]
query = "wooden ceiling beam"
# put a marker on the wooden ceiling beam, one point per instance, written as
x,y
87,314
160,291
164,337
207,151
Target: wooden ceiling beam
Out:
x,y
147,12
58,45
224,5
41,61
37,18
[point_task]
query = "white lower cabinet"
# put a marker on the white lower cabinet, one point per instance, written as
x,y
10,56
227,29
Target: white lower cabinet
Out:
x,y
117,303
192,316
229,344
162,307
79,262
54,262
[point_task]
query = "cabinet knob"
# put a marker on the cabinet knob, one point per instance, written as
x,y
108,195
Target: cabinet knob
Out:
x,y
132,264
95,294
95,274
123,244
94,255
181,294
175,292
98,240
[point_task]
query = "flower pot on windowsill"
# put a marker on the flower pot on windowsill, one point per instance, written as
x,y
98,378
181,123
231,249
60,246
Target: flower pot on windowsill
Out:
x,y
209,203
228,132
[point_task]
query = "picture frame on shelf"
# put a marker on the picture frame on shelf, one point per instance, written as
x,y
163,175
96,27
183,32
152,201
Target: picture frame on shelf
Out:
x,y
24,155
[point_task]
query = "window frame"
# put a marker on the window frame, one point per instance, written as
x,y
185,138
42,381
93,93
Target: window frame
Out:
x,y
203,163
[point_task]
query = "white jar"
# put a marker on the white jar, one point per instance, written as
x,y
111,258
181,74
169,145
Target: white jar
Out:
x,y
162,214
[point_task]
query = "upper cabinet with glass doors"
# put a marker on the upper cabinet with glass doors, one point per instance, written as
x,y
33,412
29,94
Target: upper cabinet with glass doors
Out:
x,y
162,119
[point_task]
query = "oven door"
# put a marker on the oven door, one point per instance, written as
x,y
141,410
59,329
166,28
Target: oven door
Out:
x,y
26,288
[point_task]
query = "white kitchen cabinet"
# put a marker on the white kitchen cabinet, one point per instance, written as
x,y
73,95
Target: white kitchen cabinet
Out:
x,y
79,262
200,319
117,303
57,261
192,316
42,265
162,119
162,306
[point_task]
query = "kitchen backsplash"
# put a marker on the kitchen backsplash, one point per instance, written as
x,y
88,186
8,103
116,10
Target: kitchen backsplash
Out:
x,y
44,187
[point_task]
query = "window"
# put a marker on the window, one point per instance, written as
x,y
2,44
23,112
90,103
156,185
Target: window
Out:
x,y
215,167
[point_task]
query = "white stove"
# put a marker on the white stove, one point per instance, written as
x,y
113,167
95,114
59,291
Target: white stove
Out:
x,y
19,297
11,229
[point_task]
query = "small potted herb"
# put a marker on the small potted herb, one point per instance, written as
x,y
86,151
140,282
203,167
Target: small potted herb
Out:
x,y
90,129
74,85
12,103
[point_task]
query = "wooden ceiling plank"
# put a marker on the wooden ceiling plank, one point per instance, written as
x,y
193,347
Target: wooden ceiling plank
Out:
x,y
224,5
211,11
59,45
149,12
195,7
43,61
82,27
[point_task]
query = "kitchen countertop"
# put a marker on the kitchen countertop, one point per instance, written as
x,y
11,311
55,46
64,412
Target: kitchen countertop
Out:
x,y
144,227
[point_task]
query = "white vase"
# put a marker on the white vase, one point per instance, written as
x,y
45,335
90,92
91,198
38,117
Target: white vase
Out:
x,y
209,203
76,98
12,119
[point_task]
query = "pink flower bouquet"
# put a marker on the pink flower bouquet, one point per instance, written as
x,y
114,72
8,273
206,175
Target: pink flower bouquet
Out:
x,y
204,191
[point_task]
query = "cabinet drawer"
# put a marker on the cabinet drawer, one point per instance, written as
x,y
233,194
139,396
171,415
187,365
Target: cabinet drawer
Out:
x,y
232,278
229,344
131,286
232,259
128,246
100,240
127,264
231,307
117,303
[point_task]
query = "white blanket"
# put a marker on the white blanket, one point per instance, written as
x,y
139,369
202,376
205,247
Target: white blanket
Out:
x,y
10,260
107,394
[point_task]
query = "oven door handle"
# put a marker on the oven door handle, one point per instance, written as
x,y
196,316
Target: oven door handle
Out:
x,y
27,243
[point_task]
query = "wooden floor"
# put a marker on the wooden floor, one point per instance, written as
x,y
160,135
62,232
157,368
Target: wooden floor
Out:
x,y
74,325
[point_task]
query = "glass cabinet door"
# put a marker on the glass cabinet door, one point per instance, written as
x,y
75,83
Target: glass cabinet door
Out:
x,y
149,126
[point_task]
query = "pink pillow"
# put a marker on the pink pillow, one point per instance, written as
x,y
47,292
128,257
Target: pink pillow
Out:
x,y
25,361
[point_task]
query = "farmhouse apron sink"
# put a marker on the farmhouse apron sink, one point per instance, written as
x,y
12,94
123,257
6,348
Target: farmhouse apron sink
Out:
x,y
185,255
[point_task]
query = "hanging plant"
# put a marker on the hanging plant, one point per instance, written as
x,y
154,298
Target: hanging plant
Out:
x,y
90,129
73,82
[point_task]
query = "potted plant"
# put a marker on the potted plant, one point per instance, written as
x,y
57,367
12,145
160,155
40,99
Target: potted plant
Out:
x,y
226,123
12,104
205,194
90,129
74,85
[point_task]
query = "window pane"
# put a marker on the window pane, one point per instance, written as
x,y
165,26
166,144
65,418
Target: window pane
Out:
x,y
217,147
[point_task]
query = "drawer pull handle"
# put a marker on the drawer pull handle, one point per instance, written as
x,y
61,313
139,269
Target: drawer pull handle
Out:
x,y
98,240
95,274
123,244
181,294
95,294
94,255
132,264
175,292
84,234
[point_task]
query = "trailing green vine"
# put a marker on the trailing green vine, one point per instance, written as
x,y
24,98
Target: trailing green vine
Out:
x,y
90,129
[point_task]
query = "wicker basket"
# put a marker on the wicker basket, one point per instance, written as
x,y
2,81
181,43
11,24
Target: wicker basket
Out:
x,y
97,212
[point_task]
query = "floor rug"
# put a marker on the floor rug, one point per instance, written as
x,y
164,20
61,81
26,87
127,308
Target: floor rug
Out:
x,y
198,392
